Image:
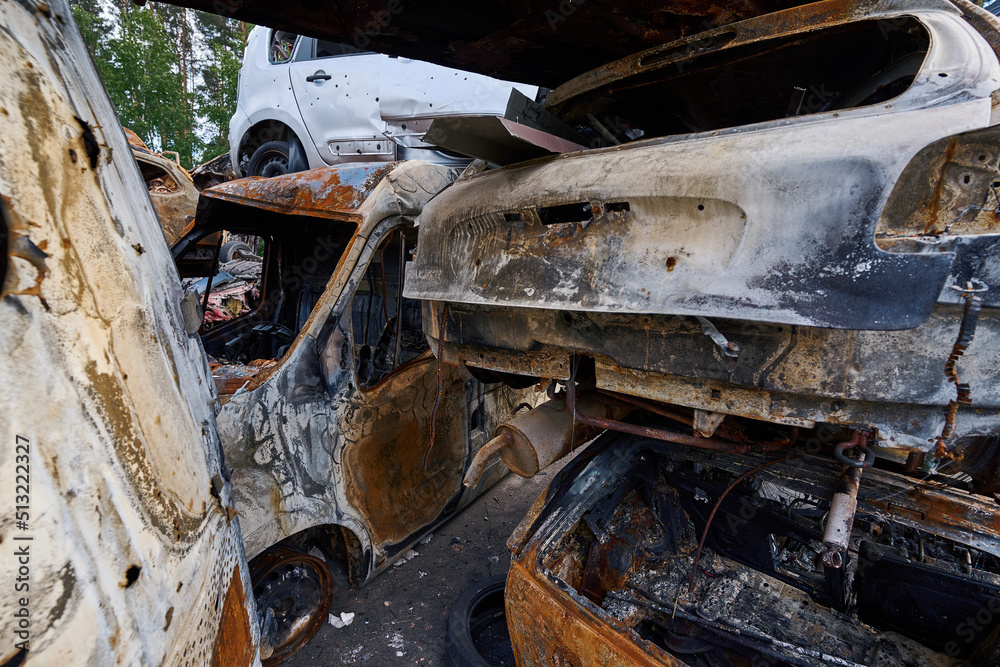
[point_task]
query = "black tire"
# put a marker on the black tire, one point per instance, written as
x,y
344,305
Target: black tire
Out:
x,y
227,252
477,633
270,159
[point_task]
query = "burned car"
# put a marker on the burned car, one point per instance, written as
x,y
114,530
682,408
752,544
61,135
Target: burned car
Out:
x,y
781,262
771,280
342,429
171,188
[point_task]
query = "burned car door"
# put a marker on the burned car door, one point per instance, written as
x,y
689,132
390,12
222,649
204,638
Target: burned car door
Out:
x,y
408,423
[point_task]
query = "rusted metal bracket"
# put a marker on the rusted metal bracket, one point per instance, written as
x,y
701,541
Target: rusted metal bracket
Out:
x,y
714,444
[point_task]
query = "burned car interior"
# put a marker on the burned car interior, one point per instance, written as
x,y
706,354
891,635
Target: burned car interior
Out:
x,y
263,312
691,554
379,311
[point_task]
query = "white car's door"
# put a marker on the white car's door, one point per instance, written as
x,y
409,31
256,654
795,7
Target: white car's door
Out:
x,y
338,97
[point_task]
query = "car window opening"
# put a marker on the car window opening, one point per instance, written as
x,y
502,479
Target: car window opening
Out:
x,y
855,65
282,46
381,342
268,280
158,181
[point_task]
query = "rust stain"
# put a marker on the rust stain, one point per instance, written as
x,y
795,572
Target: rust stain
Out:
x,y
386,429
19,245
935,203
549,629
234,645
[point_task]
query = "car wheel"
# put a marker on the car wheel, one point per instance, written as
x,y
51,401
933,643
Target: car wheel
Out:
x,y
477,627
227,252
270,159
293,592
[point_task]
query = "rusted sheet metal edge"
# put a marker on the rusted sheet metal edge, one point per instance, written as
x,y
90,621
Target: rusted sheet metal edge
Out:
x,y
339,192
345,214
545,620
545,364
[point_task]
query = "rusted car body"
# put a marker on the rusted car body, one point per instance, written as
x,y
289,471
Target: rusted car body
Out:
x,y
342,429
120,543
171,188
782,250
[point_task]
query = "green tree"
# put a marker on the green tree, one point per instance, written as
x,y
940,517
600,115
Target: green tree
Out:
x,y
225,41
171,72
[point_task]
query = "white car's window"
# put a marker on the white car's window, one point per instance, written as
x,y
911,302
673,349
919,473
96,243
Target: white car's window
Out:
x,y
325,49
282,46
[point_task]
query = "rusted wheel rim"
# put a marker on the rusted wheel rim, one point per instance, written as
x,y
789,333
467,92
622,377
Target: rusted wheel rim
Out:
x,y
296,589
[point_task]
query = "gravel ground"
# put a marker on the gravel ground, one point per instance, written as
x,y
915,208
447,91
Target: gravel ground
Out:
x,y
401,615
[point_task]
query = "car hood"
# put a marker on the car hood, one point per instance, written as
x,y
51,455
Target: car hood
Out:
x,y
545,43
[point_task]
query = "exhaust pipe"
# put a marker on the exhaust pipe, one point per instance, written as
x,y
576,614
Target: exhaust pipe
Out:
x,y
534,440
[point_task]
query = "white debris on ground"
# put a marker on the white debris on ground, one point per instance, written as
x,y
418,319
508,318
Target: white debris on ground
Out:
x,y
343,620
426,539
408,556
396,642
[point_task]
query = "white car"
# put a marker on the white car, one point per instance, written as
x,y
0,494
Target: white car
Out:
x,y
305,103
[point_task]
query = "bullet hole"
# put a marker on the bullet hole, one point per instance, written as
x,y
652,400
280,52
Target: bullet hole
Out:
x,y
966,179
72,156
671,263
131,574
89,142
169,617
138,248
701,207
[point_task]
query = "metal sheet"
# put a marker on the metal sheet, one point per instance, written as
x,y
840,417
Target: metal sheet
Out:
x,y
497,140
328,192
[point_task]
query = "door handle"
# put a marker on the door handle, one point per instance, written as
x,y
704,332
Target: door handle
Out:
x,y
318,77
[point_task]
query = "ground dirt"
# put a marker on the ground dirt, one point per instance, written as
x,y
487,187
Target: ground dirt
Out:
x,y
401,615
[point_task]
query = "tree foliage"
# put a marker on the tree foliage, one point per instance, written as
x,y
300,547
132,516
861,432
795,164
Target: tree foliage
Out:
x,y
170,72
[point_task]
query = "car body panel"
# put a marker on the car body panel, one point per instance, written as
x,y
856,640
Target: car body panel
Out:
x,y
673,226
749,223
132,549
540,42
